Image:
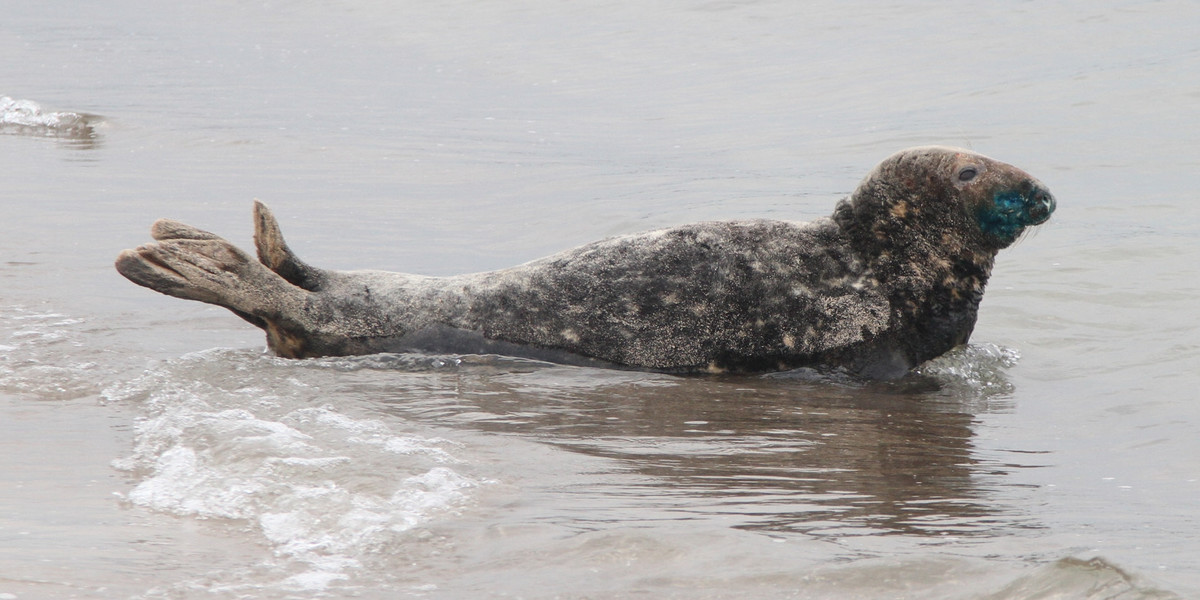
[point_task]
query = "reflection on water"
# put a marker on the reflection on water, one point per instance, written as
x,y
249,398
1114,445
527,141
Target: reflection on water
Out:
x,y
819,457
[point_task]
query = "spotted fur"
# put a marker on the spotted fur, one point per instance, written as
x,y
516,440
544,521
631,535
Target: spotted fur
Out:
x,y
892,279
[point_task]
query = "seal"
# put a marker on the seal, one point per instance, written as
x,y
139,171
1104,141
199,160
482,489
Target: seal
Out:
x,y
893,278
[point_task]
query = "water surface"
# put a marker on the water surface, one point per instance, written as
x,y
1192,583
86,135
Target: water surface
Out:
x,y
150,449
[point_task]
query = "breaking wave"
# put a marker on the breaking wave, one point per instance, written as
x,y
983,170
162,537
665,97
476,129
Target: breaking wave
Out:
x,y
26,117
233,436
974,368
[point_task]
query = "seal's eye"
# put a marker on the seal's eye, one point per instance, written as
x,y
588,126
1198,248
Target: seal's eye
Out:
x,y
967,173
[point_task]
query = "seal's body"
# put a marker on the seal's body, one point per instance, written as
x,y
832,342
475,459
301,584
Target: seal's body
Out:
x,y
892,279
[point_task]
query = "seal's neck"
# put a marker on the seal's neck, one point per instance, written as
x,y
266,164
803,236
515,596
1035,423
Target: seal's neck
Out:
x,y
923,255
932,273
910,237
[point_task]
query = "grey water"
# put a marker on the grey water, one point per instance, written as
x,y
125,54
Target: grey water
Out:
x,y
150,448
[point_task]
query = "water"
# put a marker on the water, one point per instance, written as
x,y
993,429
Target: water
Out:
x,y
150,449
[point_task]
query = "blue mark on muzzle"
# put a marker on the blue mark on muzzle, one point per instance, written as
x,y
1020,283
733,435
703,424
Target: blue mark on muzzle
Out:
x,y
1011,212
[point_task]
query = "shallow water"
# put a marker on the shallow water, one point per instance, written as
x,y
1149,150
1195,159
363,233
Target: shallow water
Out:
x,y
150,449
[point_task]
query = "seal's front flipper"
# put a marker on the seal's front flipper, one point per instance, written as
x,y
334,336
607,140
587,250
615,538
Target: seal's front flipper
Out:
x,y
275,254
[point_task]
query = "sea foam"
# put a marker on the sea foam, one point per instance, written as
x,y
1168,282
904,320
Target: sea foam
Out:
x,y
228,435
29,118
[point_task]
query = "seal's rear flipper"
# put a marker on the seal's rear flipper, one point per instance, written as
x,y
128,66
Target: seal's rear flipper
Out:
x,y
193,264
275,254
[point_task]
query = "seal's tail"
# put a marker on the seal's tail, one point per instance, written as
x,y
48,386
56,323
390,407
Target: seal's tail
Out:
x,y
275,254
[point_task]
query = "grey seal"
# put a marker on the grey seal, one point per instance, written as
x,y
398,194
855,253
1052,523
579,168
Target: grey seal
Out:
x,y
892,279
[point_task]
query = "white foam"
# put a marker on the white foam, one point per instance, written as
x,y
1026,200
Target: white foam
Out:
x,y
322,488
979,368
28,116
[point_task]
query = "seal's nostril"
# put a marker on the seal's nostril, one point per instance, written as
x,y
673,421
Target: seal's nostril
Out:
x,y
1042,198
1040,205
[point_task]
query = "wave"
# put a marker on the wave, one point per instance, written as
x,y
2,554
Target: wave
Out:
x,y
39,355
228,435
975,368
973,371
1085,579
26,117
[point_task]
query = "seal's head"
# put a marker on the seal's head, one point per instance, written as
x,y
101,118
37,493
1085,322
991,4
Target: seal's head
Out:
x,y
1003,199
938,197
